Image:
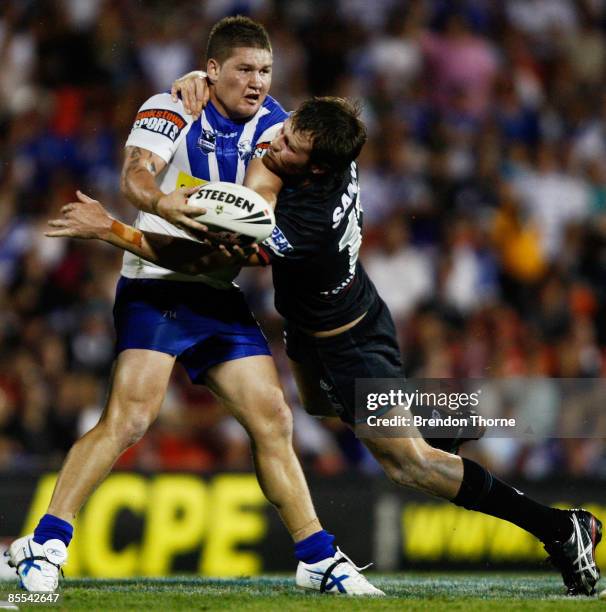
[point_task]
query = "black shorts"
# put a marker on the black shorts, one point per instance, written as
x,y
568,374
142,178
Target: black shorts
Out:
x,y
367,350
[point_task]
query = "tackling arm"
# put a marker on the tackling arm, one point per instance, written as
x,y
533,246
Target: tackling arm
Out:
x,y
267,185
194,90
263,181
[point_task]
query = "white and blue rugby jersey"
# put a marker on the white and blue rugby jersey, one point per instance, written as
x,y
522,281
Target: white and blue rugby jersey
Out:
x,y
212,148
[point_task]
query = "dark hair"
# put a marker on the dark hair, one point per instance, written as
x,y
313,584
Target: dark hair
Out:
x,y
337,133
232,32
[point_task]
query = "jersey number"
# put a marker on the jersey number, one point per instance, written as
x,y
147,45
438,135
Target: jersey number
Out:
x,y
352,236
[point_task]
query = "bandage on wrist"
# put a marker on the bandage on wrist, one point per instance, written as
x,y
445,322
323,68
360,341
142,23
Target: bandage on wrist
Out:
x,y
126,233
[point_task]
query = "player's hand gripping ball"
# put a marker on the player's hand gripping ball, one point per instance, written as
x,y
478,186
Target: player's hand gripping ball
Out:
x,y
234,213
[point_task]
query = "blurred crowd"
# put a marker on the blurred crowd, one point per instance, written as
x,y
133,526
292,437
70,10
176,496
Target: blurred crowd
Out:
x,y
483,185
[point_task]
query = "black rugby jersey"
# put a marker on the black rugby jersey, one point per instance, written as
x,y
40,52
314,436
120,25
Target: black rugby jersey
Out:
x,y
319,282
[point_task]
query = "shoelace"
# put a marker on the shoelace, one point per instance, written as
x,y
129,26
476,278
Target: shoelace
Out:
x,y
343,559
576,573
358,569
584,561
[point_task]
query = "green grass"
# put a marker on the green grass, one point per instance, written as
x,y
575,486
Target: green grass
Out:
x,y
418,592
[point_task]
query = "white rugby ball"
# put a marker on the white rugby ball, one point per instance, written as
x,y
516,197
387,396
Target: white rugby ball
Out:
x,y
234,209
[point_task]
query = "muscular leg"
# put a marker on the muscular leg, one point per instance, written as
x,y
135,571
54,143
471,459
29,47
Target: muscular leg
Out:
x,y
250,389
139,383
411,462
407,461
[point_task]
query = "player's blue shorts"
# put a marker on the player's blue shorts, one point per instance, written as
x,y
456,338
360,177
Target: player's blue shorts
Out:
x,y
202,326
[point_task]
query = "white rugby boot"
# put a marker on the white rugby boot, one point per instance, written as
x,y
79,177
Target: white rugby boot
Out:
x,y
336,575
37,565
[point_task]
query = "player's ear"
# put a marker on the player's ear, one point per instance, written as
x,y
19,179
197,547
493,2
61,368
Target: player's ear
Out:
x,y
212,69
318,169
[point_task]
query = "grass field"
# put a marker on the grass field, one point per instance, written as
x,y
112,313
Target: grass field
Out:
x,y
424,592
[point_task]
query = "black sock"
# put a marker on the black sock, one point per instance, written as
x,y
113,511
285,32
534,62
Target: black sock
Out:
x,y
482,492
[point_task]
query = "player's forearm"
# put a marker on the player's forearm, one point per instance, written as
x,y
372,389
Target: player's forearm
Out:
x,y
138,179
178,254
139,186
131,239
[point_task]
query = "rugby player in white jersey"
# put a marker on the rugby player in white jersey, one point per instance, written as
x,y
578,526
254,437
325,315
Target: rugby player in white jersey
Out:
x,y
338,328
200,320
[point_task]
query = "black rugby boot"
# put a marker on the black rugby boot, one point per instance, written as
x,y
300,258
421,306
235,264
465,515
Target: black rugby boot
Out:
x,y
575,558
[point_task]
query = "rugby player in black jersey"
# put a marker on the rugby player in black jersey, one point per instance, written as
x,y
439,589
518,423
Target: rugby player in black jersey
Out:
x,y
338,328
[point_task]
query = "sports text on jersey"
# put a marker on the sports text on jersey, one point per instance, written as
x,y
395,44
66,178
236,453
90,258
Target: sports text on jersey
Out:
x,y
346,283
160,121
347,199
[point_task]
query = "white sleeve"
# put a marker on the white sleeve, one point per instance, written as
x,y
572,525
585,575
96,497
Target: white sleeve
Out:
x,y
158,125
266,137
270,132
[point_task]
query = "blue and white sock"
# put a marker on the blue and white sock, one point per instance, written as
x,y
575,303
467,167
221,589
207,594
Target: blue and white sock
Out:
x,y
53,528
316,547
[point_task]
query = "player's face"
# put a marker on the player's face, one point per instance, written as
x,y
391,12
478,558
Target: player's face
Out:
x,y
289,152
241,82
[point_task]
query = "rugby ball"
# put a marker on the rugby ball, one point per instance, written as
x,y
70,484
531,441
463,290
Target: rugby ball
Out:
x,y
234,212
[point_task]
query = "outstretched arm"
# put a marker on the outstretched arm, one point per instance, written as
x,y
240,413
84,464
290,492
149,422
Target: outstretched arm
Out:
x,y
87,219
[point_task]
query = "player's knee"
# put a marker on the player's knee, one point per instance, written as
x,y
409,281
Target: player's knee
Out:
x,y
130,422
135,428
281,416
272,421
